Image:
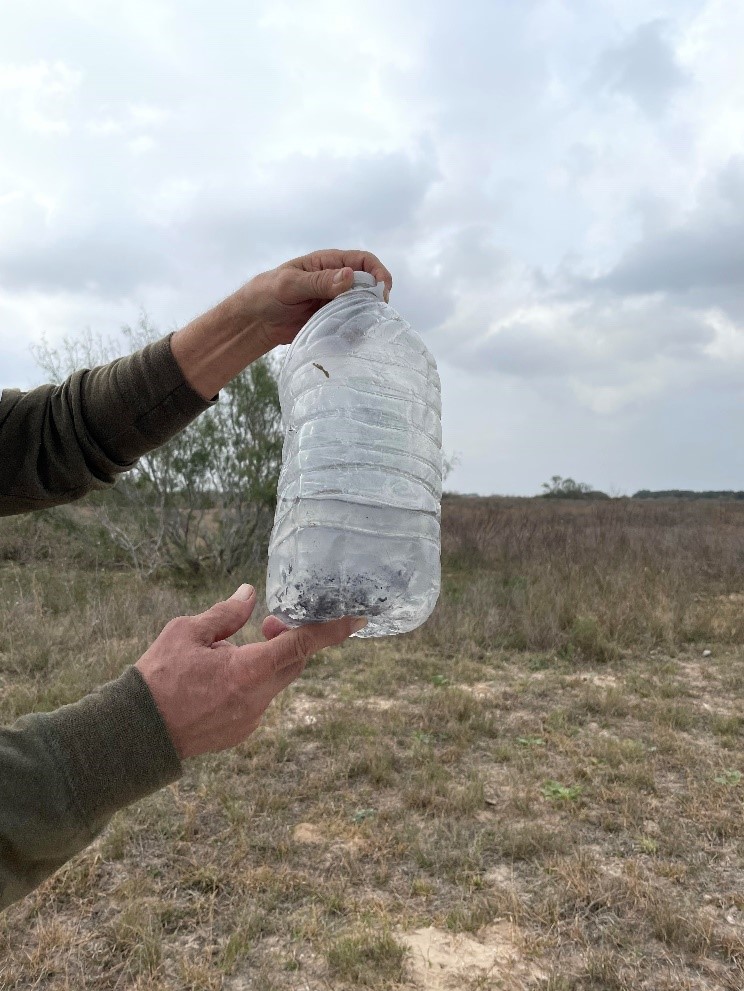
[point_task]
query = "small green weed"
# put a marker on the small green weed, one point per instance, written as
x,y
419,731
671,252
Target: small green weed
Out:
x,y
730,778
530,741
555,791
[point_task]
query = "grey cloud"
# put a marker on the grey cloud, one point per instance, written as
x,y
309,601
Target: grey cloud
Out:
x,y
699,261
95,261
316,202
729,184
468,263
580,160
307,203
471,257
424,300
482,68
17,371
643,68
520,351
683,259
596,342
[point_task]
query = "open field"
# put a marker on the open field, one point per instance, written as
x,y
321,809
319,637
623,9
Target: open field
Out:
x,y
543,788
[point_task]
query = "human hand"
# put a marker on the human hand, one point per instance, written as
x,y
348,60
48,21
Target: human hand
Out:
x,y
212,693
267,311
282,300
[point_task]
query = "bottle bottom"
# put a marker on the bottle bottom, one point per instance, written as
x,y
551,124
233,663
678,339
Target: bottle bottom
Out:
x,y
321,573
376,627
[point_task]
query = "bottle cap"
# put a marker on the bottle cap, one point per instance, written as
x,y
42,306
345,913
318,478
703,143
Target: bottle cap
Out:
x,y
363,280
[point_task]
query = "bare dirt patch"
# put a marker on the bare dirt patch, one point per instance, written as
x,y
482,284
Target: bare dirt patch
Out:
x,y
443,961
302,710
306,832
311,834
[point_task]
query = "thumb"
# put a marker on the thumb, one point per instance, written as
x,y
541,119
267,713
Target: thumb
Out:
x,y
298,644
341,280
328,283
226,618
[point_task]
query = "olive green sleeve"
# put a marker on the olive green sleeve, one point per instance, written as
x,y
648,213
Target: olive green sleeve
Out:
x,y
64,773
59,442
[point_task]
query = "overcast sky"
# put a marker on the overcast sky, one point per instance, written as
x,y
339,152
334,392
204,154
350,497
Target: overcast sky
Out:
x,y
556,185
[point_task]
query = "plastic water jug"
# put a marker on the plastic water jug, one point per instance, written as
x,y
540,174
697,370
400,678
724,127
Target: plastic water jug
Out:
x,y
357,524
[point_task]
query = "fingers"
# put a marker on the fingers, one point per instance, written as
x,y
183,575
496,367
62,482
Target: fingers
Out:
x,y
225,618
365,261
295,646
272,627
334,259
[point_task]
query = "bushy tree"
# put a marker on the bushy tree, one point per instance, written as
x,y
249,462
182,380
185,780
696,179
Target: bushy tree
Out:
x,y
567,488
205,500
564,488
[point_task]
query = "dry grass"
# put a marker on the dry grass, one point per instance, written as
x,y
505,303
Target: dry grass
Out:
x,y
550,768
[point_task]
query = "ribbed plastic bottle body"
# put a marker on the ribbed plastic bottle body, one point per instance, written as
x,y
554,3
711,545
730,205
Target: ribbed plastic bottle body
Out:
x,y
357,526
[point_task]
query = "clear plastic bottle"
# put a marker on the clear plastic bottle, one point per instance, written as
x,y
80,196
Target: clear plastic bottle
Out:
x,y
356,531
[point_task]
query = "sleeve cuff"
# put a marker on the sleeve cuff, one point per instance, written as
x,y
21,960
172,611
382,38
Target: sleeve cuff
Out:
x,y
113,746
140,402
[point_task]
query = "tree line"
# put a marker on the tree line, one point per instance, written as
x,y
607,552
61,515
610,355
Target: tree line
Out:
x,y
729,494
566,488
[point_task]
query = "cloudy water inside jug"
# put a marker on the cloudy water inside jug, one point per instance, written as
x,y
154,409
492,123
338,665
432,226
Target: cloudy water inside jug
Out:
x,y
357,525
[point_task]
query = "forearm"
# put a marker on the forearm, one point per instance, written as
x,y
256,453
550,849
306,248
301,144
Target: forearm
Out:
x,y
64,773
218,345
59,442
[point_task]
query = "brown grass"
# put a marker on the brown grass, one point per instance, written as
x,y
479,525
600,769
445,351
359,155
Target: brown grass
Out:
x,y
551,753
588,579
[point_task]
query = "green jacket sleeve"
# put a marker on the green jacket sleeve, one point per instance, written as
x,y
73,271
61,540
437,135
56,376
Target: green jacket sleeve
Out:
x,y
59,442
64,773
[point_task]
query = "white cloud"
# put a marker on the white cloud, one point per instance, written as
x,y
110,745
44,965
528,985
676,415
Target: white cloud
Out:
x,y
37,95
643,67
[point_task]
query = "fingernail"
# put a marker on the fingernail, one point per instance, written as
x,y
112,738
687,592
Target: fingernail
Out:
x,y
340,276
358,625
243,593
